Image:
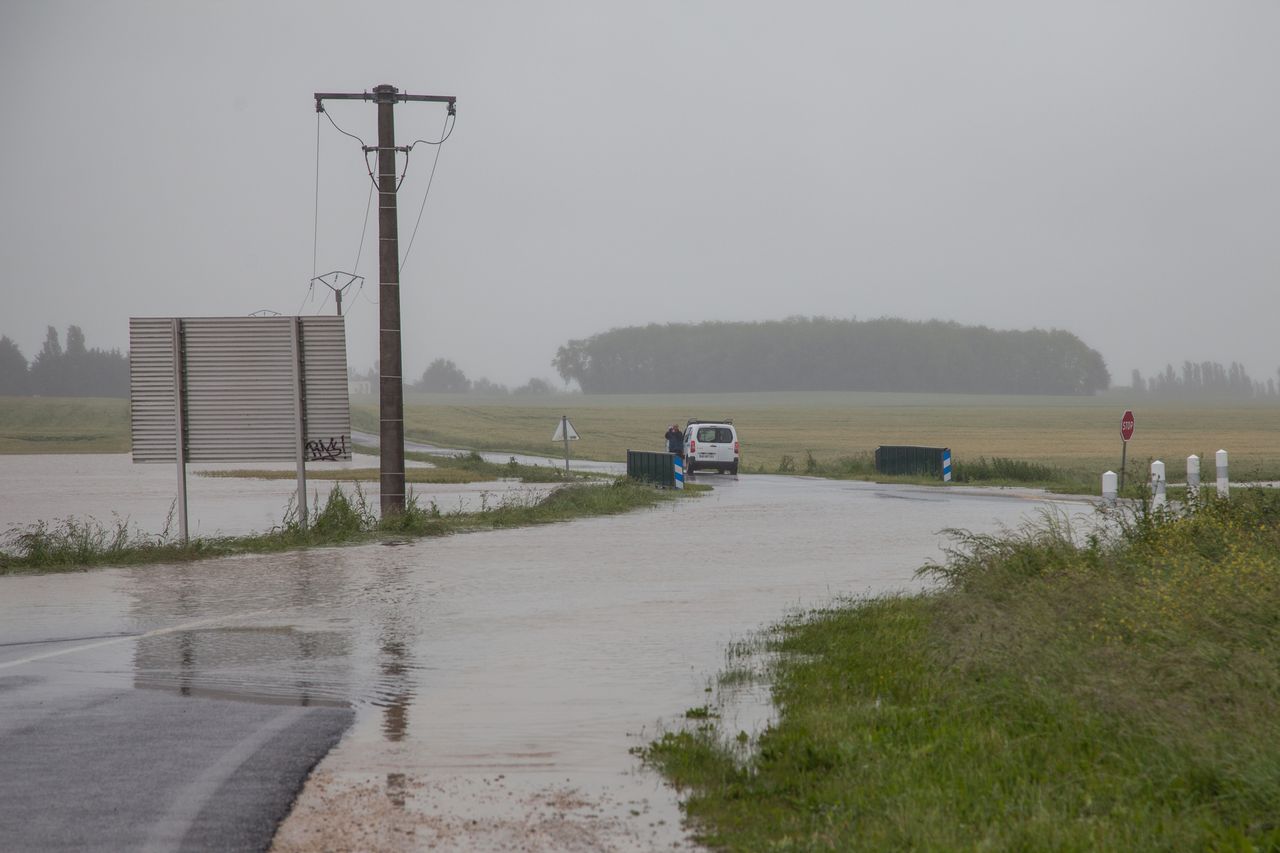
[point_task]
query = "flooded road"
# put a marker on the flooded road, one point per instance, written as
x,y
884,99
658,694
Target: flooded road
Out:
x,y
498,679
108,487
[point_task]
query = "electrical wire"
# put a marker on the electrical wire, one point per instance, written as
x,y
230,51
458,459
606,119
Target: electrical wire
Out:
x,y
355,268
444,137
355,299
340,130
368,169
403,172
368,205
430,178
309,294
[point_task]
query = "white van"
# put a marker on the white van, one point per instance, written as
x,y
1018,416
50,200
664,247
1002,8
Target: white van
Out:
x,y
711,445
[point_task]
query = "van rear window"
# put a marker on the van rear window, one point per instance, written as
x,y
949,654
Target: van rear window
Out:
x,y
715,435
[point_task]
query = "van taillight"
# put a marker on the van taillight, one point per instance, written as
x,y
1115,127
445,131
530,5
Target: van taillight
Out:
x,y
735,447
693,446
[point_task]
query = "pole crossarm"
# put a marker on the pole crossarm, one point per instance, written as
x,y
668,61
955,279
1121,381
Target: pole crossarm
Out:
x,y
383,97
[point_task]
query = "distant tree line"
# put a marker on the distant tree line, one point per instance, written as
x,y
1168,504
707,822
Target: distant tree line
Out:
x,y
1206,379
73,371
443,376
822,354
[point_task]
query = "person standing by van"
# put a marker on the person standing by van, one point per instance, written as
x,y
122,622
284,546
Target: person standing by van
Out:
x,y
675,440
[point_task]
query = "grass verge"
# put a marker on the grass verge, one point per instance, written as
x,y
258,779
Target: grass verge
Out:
x,y
73,544
1116,690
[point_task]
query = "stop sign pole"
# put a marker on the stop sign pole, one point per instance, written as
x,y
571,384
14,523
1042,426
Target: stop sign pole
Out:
x,y
1126,433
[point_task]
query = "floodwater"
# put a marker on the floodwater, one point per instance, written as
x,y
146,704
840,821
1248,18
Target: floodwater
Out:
x,y
107,487
499,679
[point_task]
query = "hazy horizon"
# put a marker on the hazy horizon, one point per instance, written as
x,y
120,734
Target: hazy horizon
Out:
x,y
1107,170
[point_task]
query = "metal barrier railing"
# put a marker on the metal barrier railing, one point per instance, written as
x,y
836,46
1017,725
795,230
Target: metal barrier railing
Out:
x,y
657,468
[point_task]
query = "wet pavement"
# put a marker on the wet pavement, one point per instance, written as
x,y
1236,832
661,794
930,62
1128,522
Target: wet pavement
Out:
x,y
498,679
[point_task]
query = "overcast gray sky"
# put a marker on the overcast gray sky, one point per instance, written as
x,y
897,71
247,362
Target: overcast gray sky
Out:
x,y
1108,168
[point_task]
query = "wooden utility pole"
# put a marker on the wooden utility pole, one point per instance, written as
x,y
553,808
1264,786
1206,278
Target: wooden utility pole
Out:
x,y
390,378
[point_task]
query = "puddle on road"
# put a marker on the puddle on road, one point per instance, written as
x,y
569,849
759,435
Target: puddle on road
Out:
x,y
499,679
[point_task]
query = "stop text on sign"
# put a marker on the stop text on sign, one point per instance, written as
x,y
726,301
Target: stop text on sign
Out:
x,y
1126,426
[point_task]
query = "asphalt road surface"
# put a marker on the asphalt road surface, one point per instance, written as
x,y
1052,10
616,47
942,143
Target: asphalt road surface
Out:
x,y
489,685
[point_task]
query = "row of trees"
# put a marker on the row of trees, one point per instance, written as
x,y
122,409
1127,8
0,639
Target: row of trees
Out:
x,y
1206,379
443,376
73,371
822,354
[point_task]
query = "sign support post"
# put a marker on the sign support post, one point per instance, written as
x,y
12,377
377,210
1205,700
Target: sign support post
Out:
x,y
300,418
1126,433
566,433
564,428
180,427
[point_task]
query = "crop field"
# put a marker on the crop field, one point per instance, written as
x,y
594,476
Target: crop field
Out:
x,y
1070,432
64,425
1078,433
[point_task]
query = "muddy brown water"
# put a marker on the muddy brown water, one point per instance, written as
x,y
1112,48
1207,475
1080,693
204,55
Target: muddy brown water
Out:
x,y
500,678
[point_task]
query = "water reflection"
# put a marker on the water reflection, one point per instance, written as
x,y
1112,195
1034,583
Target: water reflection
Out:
x,y
277,665
397,621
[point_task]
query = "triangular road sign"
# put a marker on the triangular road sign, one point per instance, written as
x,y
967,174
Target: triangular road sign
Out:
x,y
561,428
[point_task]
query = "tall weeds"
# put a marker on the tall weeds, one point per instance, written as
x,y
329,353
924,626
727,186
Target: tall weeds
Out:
x,y
72,544
1072,684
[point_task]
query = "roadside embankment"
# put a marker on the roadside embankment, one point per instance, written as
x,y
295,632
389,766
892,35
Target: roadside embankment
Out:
x,y
73,544
1116,689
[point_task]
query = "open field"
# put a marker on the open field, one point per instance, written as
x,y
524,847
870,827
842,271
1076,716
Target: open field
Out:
x,y
1070,432
64,425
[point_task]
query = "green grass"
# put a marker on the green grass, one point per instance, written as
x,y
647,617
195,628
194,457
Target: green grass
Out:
x,y
64,425
1062,691
73,544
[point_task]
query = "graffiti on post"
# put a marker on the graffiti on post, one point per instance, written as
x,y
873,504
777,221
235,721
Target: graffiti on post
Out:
x,y
327,449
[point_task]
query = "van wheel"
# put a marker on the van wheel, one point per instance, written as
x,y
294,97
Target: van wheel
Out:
x,y
733,469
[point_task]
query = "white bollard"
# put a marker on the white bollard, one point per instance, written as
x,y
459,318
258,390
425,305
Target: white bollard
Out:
x,y
1109,487
1157,483
1193,476
1224,488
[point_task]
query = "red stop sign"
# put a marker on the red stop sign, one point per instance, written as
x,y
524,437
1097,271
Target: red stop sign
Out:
x,y
1126,425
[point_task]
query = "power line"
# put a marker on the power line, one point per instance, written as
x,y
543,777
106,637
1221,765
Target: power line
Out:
x,y
320,109
368,205
310,292
439,147
442,139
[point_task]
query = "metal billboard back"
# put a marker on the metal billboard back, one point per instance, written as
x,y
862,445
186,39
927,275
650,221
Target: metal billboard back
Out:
x,y
236,388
